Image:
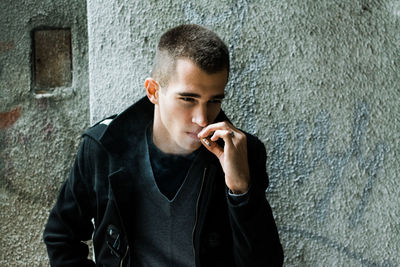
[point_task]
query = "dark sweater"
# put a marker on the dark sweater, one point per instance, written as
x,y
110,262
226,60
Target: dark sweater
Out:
x,y
165,208
169,170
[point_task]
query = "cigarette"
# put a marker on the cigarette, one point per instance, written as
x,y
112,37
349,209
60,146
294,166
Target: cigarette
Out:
x,y
206,141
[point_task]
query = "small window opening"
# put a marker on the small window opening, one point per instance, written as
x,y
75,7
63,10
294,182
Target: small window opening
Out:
x,y
52,59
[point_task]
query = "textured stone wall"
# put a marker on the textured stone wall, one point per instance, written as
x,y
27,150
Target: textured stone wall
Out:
x,y
317,81
39,128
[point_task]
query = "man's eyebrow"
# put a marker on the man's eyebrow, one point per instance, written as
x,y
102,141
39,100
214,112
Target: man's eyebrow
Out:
x,y
188,94
184,94
220,96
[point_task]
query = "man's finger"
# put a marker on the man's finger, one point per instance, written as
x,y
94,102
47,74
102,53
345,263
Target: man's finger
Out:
x,y
226,135
212,146
208,130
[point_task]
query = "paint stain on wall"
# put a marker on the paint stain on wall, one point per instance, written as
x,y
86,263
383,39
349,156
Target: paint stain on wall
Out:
x,y
303,165
6,46
8,118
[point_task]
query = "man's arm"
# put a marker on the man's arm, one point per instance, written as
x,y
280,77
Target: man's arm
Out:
x,y
232,157
255,236
69,222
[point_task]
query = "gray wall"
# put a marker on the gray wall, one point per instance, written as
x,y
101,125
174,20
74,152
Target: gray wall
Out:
x,y
39,133
317,81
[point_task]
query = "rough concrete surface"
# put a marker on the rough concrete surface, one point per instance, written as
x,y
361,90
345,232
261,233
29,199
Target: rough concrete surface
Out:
x,y
39,133
317,81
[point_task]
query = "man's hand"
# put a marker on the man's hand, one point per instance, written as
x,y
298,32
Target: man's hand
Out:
x,y
233,156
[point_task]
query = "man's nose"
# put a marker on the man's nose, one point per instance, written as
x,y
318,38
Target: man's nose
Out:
x,y
200,116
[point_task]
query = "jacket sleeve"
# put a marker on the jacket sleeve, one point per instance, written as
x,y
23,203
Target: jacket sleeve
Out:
x,y
69,222
255,235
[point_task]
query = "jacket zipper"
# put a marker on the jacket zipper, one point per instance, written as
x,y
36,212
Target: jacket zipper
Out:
x,y
123,258
197,213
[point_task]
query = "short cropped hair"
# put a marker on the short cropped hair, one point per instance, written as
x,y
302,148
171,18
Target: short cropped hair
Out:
x,y
196,43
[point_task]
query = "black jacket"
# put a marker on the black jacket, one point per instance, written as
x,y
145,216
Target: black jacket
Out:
x,y
95,203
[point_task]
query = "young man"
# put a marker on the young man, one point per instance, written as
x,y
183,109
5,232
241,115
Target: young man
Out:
x,y
169,181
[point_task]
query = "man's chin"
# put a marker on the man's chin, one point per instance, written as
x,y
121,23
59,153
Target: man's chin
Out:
x,y
193,146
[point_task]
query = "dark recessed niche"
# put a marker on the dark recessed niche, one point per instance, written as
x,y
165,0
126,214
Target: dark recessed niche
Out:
x,y
52,59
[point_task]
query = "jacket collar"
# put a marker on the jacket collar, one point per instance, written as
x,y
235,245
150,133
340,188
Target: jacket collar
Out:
x,y
122,132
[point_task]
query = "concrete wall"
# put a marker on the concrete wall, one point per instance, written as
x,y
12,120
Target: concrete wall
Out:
x,y
39,132
317,81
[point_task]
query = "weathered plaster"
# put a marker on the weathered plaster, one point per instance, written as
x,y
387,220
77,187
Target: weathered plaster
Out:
x,y
317,81
38,134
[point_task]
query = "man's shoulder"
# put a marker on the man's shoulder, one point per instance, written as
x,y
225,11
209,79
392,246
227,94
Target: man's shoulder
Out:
x,y
124,125
253,142
97,130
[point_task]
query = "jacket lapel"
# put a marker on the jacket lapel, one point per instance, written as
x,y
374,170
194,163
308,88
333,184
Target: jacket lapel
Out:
x,y
134,168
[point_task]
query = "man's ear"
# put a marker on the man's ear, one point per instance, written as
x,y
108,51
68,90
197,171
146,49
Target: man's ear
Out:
x,y
152,90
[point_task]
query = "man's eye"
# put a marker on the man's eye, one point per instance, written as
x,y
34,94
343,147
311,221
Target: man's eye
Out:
x,y
187,99
216,101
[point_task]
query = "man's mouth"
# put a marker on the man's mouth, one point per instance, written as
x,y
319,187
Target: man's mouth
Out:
x,y
193,134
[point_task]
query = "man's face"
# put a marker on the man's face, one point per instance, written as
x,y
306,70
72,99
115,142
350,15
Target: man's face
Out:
x,y
190,101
